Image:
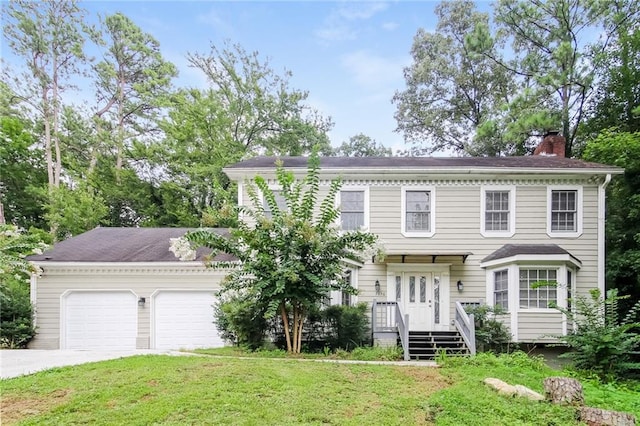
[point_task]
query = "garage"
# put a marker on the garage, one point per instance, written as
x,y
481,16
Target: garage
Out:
x,y
99,320
184,320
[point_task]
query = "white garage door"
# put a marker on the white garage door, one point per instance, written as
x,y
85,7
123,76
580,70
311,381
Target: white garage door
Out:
x,y
184,319
100,320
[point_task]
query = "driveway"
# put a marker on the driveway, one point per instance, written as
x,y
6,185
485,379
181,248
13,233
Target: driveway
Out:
x,y
19,362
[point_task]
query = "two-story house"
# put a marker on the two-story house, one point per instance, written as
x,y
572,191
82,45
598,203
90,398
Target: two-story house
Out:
x,y
456,231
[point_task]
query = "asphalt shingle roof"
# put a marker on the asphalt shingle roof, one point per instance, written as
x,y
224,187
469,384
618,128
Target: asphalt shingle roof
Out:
x,y
509,250
531,161
121,245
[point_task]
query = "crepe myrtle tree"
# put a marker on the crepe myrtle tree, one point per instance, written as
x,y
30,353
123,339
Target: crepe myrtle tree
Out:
x,y
288,258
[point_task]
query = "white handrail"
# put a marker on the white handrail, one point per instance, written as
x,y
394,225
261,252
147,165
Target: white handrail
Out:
x,y
466,326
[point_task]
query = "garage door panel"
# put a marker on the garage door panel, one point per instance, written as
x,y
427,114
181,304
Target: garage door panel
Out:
x,y
100,320
184,320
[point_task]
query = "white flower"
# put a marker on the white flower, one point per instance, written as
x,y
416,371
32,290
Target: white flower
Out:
x,y
182,249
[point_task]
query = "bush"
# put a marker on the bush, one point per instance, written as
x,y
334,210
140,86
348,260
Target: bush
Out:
x,y
16,315
491,334
601,342
348,326
240,320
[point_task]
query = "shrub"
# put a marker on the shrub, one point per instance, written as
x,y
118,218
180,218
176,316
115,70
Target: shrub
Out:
x,y
16,315
348,326
240,320
491,334
602,342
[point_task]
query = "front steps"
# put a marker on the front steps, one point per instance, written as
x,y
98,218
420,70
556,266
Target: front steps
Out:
x,y
427,345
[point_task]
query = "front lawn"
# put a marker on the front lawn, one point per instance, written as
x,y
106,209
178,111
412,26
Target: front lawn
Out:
x,y
257,391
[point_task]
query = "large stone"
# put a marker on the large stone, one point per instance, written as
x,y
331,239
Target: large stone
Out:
x,y
563,390
503,388
531,395
600,417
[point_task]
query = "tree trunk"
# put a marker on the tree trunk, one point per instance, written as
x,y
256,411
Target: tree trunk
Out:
x,y
285,325
563,390
600,417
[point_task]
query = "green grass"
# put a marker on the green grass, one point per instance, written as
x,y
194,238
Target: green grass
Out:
x,y
358,354
259,391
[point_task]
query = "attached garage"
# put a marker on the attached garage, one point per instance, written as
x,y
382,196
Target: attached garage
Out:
x,y
184,320
99,320
122,289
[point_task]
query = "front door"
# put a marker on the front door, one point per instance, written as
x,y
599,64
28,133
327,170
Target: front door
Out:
x,y
420,295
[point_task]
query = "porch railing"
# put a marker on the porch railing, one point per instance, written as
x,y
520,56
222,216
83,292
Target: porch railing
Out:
x,y
466,326
386,317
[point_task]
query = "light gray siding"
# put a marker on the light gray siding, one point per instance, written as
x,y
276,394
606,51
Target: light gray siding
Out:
x,y
143,281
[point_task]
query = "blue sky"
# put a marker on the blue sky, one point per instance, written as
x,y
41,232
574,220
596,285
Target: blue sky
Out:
x,y
348,55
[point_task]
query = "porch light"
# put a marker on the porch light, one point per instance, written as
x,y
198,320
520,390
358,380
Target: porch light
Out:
x,y
460,285
377,286
142,301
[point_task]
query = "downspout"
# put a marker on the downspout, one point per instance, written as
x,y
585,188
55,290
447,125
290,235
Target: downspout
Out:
x,y
33,290
601,237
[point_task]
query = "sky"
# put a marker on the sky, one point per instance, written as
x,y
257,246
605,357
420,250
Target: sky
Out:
x,y
348,55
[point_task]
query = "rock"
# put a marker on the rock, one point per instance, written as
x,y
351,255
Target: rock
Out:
x,y
502,387
563,390
600,417
531,395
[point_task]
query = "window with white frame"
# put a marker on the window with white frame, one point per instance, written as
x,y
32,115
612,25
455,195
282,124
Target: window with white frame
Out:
x,y
418,216
564,211
353,209
498,211
501,289
538,288
337,297
346,296
280,202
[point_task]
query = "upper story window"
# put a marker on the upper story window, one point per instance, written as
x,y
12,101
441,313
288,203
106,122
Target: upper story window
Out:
x,y
280,201
564,206
354,205
498,211
418,215
538,288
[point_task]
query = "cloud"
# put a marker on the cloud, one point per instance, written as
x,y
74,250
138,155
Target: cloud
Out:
x,y
374,72
213,19
341,22
389,26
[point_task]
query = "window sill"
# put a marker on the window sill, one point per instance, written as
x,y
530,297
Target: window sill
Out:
x,y
418,234
561,234
497,234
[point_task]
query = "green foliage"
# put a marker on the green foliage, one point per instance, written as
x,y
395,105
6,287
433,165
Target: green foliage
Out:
x,y
602,342
240,320
16,315
451,90
14,247
491,333
74,210
361,145
291,259
622,236
348,326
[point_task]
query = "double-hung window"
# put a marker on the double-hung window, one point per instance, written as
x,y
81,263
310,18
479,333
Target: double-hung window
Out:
x,y
564,206
418,215
353,209
280,202
501,289
498,211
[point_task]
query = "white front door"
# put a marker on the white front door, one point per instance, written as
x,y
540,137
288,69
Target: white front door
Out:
x,y
422,296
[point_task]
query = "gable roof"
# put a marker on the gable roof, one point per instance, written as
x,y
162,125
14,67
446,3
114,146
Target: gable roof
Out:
x,y
122,245
532,162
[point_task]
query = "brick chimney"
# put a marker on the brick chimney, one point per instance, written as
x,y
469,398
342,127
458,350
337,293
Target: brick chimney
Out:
x,y
552,144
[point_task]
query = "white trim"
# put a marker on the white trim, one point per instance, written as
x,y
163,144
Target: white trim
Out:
x,y
367,205
511,189
63,305
579,211
432,211
602,199
33,297
427,267
537,258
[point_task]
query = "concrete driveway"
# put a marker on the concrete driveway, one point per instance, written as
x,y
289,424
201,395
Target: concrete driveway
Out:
x,y
19,362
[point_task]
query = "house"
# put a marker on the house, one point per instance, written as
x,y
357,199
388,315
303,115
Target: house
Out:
x,y
456,231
